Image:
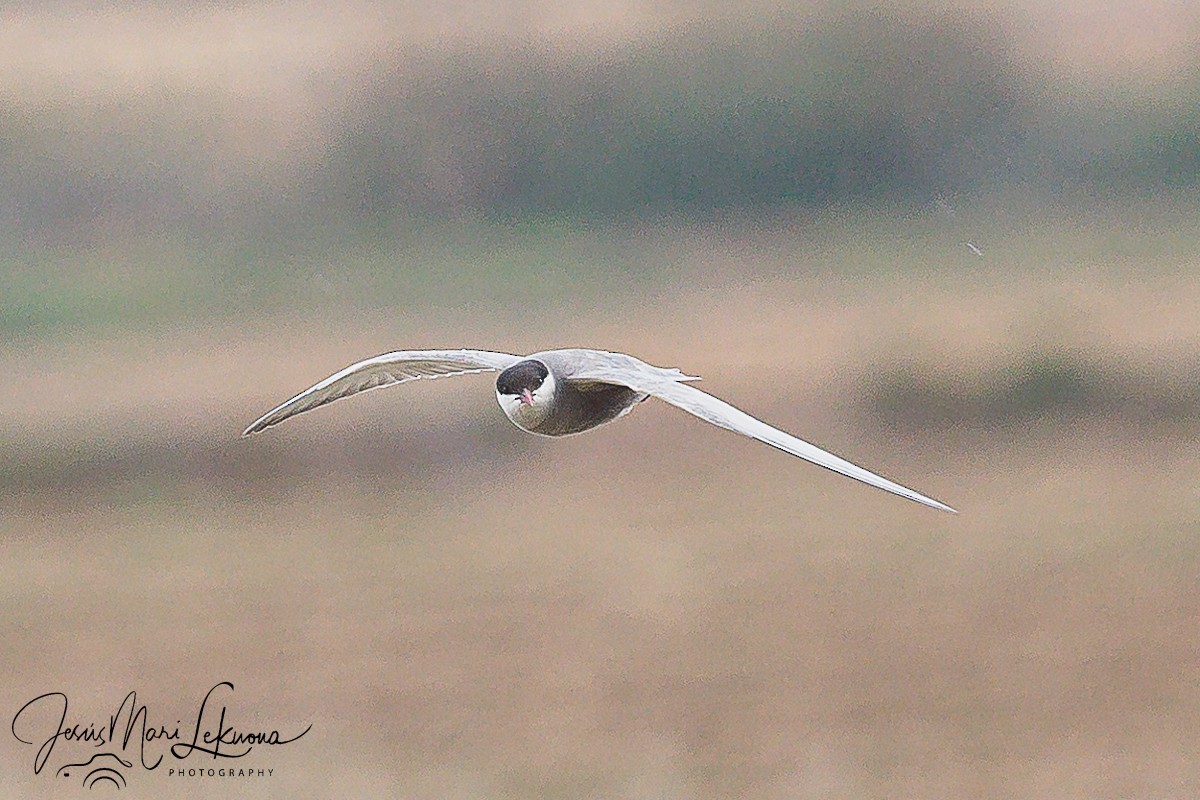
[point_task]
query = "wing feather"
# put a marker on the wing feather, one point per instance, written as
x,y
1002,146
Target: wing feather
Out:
x,y
718,412
388,369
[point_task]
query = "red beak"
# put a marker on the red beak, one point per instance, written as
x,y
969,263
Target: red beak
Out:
x,y
526,397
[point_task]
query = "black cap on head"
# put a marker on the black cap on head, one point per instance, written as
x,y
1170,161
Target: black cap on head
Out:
x,y
519,377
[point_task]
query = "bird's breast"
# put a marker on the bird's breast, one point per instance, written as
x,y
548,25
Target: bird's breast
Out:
x,y
575,410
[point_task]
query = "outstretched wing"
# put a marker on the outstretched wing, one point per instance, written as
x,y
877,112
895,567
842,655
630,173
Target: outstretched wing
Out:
x,y
388,369
718,412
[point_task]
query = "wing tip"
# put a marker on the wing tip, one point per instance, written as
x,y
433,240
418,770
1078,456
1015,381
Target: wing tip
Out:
x,y
929,501
255,427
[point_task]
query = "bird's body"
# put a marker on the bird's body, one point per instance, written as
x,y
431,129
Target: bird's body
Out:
x,y
561,392
577,404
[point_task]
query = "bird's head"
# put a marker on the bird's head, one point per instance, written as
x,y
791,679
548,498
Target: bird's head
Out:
x,y
526,391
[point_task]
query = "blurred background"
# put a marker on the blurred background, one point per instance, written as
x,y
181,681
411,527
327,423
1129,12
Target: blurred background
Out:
x,y
955,242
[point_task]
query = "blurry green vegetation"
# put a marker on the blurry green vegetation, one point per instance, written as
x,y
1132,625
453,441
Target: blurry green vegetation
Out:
x,y
1146,144
857,109
147,280
470,176
841,110
1043,386
420,266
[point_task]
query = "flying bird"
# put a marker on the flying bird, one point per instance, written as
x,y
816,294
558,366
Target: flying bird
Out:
x,y
560,392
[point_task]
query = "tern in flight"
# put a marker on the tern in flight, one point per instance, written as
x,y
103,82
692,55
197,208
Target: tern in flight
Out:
x,y
560,392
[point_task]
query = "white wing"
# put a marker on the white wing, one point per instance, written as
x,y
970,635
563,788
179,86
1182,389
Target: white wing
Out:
x,y
385,370
718,412
601,365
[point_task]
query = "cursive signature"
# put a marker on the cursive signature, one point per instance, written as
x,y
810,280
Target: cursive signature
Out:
x,y
227,735
130,724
